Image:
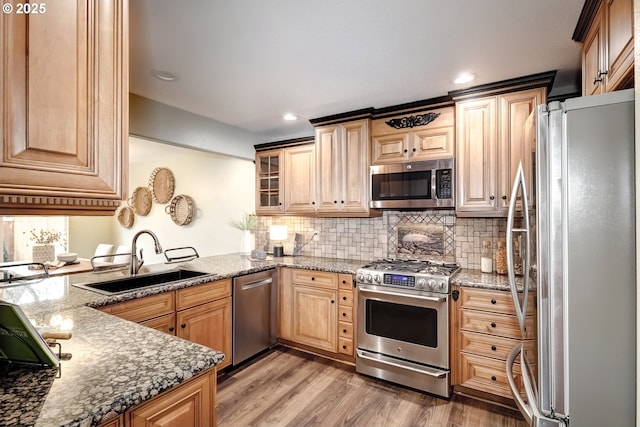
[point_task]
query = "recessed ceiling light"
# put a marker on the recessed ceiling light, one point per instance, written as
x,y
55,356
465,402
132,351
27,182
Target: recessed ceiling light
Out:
x,y
164,75
463,78
290,117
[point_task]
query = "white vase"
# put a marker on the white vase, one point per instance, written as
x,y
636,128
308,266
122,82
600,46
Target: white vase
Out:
x,y
246,242
43,253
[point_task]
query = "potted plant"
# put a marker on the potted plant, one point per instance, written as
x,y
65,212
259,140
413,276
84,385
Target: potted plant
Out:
x,y
245,224
43,249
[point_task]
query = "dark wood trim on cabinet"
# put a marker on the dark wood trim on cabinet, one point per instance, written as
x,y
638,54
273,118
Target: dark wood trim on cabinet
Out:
x,y
364,113
285,143
413,107
586,18
507,86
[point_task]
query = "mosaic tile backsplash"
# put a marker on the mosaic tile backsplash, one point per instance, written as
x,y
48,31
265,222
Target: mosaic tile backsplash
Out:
x,y
434,235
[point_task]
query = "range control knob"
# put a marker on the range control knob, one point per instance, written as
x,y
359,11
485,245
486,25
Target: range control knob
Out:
x,y
360,277
369,278
441,285
422,283
431,283
377,278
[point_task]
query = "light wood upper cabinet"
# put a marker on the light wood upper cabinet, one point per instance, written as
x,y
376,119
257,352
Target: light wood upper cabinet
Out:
x,y
607,51
342,168
64,95
434,140
299,179
269,182
494,134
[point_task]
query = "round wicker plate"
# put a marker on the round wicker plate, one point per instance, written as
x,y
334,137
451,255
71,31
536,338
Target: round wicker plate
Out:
x,y
140,201
180,209
161,185
126,216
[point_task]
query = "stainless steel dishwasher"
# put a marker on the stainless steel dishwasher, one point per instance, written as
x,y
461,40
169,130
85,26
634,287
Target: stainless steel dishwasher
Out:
x,y
255,299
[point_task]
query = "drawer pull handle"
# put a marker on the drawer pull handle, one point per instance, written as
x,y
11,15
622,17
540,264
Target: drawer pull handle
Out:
x,y
494,348
344,347
493,301
344,298
344,331
344,314
493,378
493,324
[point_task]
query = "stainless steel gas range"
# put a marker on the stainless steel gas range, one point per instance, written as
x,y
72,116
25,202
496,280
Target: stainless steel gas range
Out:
x,y
403,323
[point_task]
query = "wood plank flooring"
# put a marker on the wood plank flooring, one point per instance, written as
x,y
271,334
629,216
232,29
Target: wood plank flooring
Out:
x,y
287,387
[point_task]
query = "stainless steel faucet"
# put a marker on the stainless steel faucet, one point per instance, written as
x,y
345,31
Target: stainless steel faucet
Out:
x,y
135,263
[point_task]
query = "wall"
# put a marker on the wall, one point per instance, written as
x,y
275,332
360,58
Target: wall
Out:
x,y
222,187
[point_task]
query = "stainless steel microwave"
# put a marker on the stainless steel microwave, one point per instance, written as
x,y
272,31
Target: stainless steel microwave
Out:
x,y
428,184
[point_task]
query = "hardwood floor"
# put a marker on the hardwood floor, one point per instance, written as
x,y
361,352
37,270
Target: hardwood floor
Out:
x,y
287,387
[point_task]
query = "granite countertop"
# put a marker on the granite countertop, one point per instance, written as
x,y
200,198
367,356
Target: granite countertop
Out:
x,y
497,282
116,364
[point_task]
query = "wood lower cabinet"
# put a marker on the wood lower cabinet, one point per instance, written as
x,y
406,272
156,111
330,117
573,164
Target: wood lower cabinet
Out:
x,y
64,95
317,311
192,403
204,316
200,313
485,329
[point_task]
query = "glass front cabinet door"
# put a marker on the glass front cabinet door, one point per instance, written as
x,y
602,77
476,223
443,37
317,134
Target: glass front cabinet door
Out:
x,y
269,185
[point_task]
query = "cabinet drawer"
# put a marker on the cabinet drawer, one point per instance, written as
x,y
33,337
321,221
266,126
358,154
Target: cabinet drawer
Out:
x,y
345,346
345,298
493,301
317,279
141,309
345,330
166,323
496,324
491,345
488,375
201,294
345,314
345,281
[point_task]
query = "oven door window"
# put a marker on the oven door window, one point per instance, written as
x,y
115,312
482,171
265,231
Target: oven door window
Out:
x,y
406,323
401,185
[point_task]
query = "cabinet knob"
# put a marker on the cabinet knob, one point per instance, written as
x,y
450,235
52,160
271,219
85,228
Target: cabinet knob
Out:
x,y
493,348
504,197
493,324
344,298
332,302
171,329
335,201
344,331
414,150
344,314
405,150
313,203
492,197
184,325
493,301
313,278
493,378
344,347
342,201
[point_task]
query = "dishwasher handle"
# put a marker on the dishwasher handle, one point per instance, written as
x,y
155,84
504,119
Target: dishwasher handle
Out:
x,y
256,284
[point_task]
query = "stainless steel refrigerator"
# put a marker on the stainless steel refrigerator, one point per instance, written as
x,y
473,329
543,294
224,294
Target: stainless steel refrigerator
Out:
x,y
586,265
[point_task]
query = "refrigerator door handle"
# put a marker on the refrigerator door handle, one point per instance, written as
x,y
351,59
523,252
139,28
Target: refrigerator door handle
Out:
x,y
521,308
526,409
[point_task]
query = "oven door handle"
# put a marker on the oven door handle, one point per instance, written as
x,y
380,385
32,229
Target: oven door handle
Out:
x,y
368,290
386,361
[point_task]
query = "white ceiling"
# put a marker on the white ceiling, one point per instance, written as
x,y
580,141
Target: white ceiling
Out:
x,y
246,62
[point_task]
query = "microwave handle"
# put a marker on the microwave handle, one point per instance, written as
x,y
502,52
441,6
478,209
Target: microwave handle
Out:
x,y
434,194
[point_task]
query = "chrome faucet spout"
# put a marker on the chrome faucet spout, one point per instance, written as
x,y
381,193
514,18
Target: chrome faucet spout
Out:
x,y
136,262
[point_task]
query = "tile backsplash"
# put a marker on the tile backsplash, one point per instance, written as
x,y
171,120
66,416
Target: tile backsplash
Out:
x,y
436,235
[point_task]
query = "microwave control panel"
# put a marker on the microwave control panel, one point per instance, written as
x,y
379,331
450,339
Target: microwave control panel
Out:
x,y
444,183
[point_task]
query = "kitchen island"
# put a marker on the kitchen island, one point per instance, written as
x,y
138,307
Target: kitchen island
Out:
x,y
116,364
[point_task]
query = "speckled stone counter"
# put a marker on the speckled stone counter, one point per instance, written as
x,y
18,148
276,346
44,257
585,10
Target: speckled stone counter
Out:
x,y
115,364
497,282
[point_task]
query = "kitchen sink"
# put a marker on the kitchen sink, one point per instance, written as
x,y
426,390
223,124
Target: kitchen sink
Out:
x,y
126,284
